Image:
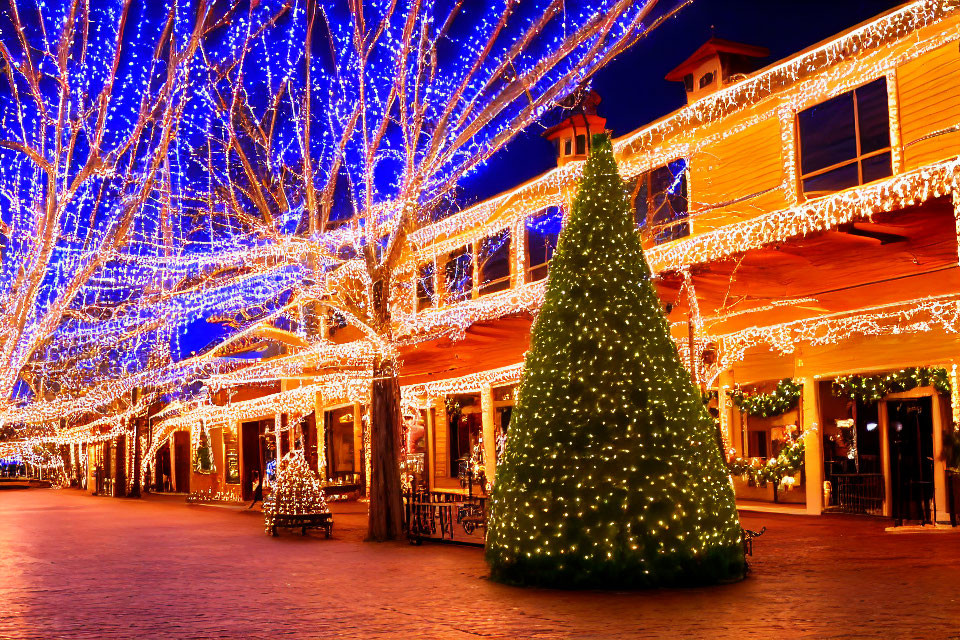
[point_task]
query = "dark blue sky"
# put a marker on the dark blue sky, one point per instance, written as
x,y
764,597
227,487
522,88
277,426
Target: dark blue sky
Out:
x,y
632,87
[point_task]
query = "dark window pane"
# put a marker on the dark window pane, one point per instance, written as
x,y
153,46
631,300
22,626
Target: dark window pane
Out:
x,y
874,121
581,145
827,134
567,148
641,202
459,274
425,286
494,263
833,180
543,232
706,79
677,192
661,181
876,167
661,202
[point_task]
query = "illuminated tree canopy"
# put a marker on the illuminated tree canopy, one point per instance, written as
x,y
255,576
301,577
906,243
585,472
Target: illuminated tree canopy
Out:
x,y
239,165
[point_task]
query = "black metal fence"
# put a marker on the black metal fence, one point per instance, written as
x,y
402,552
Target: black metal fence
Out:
x,y
857,493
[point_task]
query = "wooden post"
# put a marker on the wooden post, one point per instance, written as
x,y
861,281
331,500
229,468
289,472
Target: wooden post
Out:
x,y
441,433
358,442
518,250
885,459
487,417
939,464
276,435
813,447
431,446
320,423
729,430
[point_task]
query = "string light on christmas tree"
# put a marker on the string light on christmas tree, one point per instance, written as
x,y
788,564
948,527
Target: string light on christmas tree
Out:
x,y
296,491
612,475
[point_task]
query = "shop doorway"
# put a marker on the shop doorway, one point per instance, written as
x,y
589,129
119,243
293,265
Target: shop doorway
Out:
x,y
162,480
910,430
182,461
250,436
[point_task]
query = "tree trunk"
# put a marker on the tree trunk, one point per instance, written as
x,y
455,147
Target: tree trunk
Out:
x,y
385,517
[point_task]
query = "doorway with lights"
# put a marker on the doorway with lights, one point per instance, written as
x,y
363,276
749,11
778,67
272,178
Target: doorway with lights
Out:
x,y
910,436
852,454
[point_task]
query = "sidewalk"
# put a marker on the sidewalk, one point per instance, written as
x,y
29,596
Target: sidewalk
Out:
x,y
770,507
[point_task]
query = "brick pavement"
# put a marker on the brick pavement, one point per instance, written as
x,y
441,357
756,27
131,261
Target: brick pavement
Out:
x,y
72,565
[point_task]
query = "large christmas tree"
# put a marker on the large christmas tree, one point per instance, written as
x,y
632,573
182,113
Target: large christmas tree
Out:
x,y
612,476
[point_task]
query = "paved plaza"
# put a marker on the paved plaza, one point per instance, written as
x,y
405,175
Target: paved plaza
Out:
x,y
73,565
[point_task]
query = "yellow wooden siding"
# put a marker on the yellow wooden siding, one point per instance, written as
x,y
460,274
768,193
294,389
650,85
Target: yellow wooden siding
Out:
x,y
929,93
745,164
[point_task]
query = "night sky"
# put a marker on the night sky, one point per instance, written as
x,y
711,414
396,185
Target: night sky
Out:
x,y
632,87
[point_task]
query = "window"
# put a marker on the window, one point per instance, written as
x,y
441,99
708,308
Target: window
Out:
x,y
340,449
426,287
660,203
581,144
567,146
503,400
459,275
706,79
493,261
465,429
542,234
845,141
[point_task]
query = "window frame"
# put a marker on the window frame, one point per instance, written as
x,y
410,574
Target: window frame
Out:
x,y
468,294
646,230
487,288
857,159
528,270
431,299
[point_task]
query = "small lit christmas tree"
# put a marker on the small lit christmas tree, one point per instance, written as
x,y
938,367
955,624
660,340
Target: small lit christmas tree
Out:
x,y
296,491
203,459
612,476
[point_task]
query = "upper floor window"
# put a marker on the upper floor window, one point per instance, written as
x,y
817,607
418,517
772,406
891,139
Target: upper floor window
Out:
x,y
706,79
660,203
542,233
426,287
493,261
458,272
845,141
581,144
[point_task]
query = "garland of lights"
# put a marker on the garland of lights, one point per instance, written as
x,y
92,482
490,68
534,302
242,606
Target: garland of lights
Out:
x,y
868,389
766,405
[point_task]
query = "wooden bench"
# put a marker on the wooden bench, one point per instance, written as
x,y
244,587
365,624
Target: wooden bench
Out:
x,y
303,522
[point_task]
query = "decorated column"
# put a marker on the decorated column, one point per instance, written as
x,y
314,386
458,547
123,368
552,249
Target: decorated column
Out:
x,y
812,447
358,457
731,436
489,436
